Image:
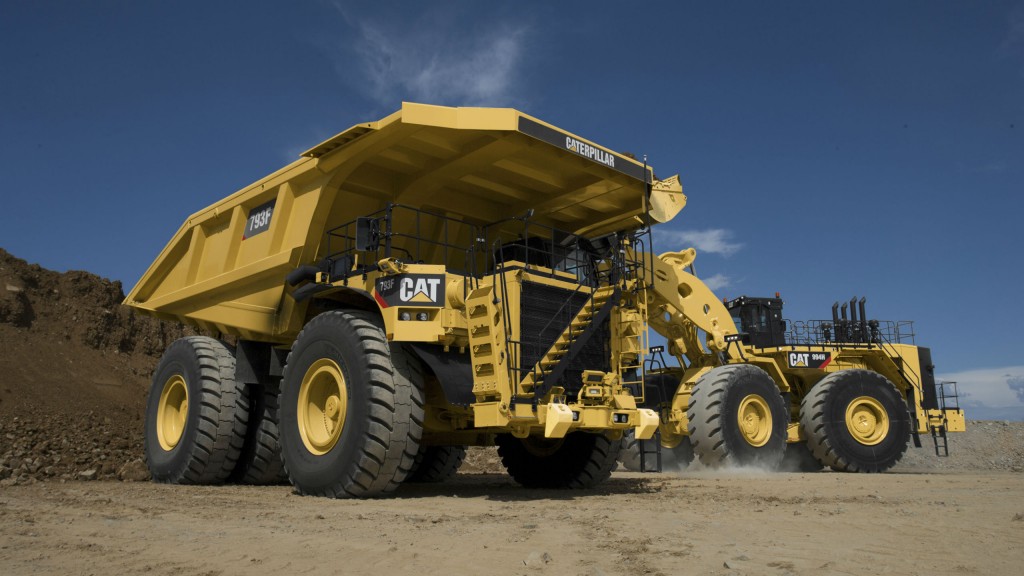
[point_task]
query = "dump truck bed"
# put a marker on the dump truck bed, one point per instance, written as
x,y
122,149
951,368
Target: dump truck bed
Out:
x,y
224,269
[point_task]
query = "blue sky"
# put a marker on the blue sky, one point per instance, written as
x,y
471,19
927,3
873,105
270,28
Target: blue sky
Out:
x,y
827,149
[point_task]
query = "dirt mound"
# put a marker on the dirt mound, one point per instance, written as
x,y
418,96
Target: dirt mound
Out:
x,y
74,372
986,445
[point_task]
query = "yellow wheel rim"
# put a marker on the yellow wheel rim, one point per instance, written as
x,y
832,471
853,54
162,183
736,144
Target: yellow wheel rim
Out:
x,y
323,402
542,447
755,420
671,439
172,412
867,420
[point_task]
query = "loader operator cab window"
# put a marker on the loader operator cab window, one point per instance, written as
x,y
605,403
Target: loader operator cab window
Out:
x,y
760,319
751,319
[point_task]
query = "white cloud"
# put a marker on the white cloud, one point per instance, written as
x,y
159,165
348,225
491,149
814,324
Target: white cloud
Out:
x,y
440,62
717,282
711,241
989,387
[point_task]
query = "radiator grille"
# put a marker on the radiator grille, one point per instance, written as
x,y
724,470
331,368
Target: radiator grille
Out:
x,y
540,327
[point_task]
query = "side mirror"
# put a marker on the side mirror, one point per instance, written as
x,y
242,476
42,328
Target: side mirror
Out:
x,y
367,234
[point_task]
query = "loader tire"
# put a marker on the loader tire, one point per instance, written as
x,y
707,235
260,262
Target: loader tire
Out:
x,y
260,462
580,460
196,414
351,412
678,457
673,459
799,458
629,452
856,421
738,418
436,463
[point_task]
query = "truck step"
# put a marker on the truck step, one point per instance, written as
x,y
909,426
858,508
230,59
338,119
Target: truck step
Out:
x,y
650,453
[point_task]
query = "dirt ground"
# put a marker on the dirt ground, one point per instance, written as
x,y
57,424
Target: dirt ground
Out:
x,y
694,523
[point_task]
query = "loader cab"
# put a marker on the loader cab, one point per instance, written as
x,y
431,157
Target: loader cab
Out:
x,y
760,319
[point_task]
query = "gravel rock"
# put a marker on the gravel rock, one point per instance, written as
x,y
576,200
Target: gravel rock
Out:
x,y
134,471
536,560
49,447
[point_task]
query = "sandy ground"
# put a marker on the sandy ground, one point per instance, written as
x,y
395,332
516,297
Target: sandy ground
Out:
x,y
693,523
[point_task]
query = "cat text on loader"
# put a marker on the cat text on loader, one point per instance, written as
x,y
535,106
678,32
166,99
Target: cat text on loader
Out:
x,y
447,277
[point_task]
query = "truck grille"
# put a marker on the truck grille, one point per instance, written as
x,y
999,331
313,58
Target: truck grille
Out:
x,y
540,304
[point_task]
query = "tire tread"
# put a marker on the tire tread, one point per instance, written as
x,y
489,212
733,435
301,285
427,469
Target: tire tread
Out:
x,y
222,418
394,410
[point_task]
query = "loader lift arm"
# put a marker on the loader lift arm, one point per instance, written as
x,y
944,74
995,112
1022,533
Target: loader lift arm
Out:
x,y
681,304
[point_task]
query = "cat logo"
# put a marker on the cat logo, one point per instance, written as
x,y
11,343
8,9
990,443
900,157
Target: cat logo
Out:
x,y
817,360
410,290
420,290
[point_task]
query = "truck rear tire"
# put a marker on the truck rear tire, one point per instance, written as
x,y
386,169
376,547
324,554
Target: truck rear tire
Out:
x,y
351,412
738,418
436,463
856,421
260,462
580,460
196,414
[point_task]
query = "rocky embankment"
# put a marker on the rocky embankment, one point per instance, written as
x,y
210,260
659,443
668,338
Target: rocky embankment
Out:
x,y
74,373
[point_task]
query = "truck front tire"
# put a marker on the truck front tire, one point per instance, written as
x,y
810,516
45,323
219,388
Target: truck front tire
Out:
x,y
580,460
351,408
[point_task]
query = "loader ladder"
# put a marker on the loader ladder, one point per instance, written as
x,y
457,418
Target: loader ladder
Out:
x,y
940,439
949,399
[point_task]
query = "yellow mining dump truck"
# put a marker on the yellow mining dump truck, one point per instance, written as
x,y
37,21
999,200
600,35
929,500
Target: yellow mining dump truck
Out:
x,y
447,277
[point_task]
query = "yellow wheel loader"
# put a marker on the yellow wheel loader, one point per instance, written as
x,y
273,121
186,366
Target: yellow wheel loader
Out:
x,y
452,277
